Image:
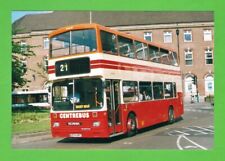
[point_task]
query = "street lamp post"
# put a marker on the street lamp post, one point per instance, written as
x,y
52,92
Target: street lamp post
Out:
x,y
178,45
90,16
178,54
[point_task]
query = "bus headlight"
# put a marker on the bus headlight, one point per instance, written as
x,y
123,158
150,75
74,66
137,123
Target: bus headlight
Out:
x,y
96,123
56,124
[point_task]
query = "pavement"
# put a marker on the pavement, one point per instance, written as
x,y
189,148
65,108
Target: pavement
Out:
x,y
31,137
199,105
39,136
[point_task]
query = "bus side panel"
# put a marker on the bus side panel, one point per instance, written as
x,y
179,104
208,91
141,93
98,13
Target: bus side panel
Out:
x,y
147,113
152,112
179,108
124,114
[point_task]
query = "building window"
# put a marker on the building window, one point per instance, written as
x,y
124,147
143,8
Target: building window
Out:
x,y
209,85
46,43
23,45
188,57
187,36
189,86
167,37
34,77
207,35
23,60
148,36
208,56
45,60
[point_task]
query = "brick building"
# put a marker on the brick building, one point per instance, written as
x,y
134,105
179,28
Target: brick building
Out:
x,y
191,34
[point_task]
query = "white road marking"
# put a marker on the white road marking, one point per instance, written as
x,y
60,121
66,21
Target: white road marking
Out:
x,y
200,131
178,142
176,131
127,143
205,129
190,146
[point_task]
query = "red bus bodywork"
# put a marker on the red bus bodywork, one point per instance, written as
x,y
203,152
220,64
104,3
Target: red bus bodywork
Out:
x,y
147,114
83,123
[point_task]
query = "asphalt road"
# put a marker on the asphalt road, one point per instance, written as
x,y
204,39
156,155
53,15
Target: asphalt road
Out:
x,y
194,131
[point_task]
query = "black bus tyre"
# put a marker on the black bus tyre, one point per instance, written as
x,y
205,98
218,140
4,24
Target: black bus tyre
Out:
x,y
131,125
171,116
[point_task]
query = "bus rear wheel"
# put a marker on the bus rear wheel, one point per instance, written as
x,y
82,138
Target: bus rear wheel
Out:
x,y
171,116
131,125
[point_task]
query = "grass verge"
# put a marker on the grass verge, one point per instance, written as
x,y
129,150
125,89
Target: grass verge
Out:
x,y
30,121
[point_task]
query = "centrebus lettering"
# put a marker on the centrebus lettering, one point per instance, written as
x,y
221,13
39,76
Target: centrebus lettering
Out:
x,y
73,115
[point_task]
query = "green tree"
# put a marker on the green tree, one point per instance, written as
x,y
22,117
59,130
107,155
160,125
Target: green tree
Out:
x,y
19,68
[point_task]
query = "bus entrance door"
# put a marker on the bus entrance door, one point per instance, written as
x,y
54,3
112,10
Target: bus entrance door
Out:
x,y
113,100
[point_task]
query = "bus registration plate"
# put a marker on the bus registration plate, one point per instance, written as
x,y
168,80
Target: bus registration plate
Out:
x,y
76,135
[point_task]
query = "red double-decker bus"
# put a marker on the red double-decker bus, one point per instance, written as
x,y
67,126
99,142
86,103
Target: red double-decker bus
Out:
x,y
107,83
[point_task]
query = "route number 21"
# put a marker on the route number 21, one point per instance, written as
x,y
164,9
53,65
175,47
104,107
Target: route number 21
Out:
x,y
64,67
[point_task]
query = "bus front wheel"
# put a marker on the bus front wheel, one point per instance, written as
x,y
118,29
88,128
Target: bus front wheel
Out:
x,y
131,125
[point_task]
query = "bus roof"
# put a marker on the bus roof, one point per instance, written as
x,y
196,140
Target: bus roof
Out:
x,y
73,27
97,26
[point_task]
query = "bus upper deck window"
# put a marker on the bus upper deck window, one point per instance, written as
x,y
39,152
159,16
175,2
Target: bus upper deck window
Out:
x,y
108,41
141,50
126,47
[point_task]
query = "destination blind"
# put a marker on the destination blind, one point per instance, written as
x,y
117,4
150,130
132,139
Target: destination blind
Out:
x,y
72,66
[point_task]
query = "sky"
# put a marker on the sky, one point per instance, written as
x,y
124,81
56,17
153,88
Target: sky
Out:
x,y
18,14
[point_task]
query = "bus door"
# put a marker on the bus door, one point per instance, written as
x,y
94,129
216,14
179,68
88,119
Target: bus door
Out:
x,y
113,100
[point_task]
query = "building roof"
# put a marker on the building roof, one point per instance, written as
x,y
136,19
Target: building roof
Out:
x,y
54,20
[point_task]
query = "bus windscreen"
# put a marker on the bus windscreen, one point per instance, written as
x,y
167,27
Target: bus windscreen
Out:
x,y
77,94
